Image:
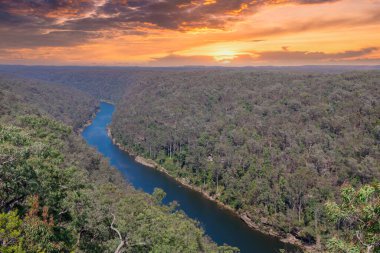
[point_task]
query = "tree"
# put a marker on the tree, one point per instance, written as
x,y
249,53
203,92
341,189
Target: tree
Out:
x,y
10,233
358,217
158,195
123,242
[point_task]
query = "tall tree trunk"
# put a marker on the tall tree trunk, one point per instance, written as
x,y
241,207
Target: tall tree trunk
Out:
x,y
370,249
299,210
123,242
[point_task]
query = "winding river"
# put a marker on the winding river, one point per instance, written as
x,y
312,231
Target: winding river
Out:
x,y
223,226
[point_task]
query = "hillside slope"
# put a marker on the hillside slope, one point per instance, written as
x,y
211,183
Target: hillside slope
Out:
x,y
273,145
58,195
100,82
24,96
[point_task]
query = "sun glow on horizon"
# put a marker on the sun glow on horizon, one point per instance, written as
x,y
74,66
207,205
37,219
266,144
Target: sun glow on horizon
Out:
x,y
224,56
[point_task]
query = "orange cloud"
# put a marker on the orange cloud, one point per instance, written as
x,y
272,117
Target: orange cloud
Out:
x,y
187,32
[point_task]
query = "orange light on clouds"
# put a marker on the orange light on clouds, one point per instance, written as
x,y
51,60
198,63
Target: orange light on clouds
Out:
x,y
336,32
208,2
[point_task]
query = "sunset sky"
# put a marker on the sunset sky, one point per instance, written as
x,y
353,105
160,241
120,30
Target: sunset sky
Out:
x,y
189,32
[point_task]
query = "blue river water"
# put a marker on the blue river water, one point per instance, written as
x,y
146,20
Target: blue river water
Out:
x,y
221,225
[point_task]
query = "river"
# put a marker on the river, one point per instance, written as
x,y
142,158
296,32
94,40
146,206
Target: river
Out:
x,y
223,226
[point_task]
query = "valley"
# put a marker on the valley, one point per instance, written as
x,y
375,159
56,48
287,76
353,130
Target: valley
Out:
x,y
267,148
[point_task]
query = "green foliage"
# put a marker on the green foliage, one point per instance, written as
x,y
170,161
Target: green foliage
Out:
x,y
23,97
41,233
358,219
158,195
101,83
228,249
10,233
340,246
57,195
273,144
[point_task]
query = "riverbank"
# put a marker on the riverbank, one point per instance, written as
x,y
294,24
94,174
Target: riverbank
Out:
x,y
88,122
93,115
262,227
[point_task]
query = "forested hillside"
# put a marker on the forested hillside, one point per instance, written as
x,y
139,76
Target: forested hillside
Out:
x,y
25,96
58,195
101,83
110,83
272,145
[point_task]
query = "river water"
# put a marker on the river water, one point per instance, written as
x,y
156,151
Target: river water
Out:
x,y
223,226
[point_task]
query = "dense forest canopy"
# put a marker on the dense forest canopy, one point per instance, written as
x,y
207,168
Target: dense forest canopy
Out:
x,y
58,195
103,83
296,150
110,83
25,96
272,144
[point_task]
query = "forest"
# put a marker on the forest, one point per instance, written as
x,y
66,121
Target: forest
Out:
x,y
27,96
59,195
101,83
110,83
296,150
273,145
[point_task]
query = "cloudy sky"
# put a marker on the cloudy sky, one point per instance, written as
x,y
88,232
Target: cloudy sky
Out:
x,y
189,32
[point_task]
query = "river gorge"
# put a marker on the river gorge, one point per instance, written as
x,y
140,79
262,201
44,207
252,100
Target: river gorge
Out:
x,y
220,224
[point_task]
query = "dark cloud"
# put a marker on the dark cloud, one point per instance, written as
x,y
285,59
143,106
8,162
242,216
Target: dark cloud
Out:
x,y
87,15
46,8
185,14
28,24
67,23
27,39
174,14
